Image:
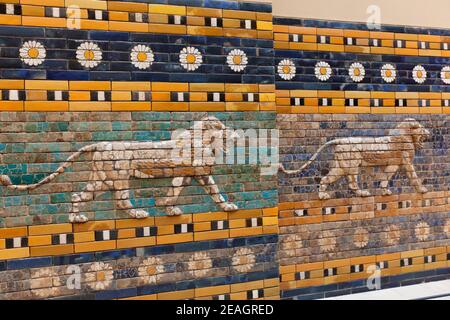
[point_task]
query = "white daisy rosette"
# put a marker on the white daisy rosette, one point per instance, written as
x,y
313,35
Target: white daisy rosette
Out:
x,y
445,74
419,74
357,72
388,73
286,69
237,60
32,53
323,71
191,58
99,276
142,56
89,54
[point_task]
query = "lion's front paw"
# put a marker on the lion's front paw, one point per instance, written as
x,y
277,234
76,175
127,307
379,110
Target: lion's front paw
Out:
x,y
77,218
174,211
362,193
386,192
228,206
138,213
422,189
324,196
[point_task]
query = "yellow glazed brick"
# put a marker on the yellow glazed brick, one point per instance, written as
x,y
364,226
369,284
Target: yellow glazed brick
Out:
x,y
50,3
10,19
127,6
14,253
245,286
33,11
130,85
178,295
13,232
128,26
126,233
209,291
204,12
46,106
264,25
167,9
94,24
211,235
210,216
269,221
44,22
174,238
89,106
88,236
50,229
135,223
95,246
242,15
36,241
54,250
12,84
117,16
137,242
90,85
11,106
131,106
46,85
89,4
95,225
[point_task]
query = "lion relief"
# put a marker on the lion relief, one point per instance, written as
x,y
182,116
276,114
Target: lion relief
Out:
x,y
188,154
393,153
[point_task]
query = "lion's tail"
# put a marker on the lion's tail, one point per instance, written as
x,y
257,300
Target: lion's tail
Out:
x,y
311,160
6,181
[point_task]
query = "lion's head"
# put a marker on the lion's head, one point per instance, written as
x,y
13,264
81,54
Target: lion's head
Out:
x,y
411,129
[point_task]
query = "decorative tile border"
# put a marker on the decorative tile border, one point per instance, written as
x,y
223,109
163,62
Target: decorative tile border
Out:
x,y
145,272
58,239
48,95
318,211
360,41
330,101
316,274
223,18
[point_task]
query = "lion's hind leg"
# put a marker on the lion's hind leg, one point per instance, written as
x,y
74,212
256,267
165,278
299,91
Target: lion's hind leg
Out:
x,y
353,184
389,172
334,175
211,187
82,197
122,196
178,184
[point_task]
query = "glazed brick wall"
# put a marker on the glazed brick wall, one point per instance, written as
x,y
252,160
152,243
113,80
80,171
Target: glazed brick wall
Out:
x,y
294,76
26,158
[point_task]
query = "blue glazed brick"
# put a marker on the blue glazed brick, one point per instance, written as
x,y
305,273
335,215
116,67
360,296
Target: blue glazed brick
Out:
x,y
29,263
74,259
116,254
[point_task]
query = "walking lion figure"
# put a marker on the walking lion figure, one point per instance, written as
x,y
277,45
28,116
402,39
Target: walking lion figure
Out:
x,y
189,154
393,152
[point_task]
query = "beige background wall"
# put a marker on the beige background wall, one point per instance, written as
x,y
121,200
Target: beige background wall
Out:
x,y
426,13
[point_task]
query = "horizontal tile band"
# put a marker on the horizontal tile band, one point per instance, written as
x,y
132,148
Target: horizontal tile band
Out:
x,y
358,26
47,95
157,6
68,259
359,286
356,268
330,101
266,289
59,239
318,211
142,17
355,41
